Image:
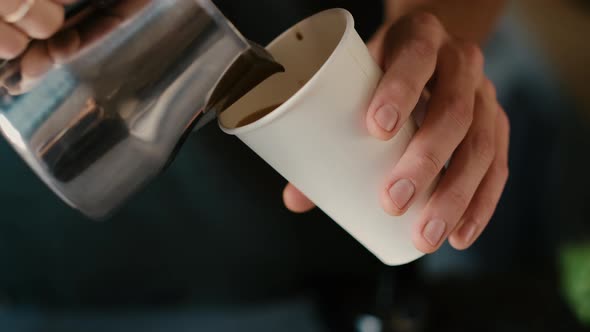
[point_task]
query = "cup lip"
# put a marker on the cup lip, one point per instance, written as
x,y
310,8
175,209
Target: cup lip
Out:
x,y
281,110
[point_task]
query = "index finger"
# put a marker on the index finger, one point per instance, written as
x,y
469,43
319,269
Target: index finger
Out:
x,y
410,61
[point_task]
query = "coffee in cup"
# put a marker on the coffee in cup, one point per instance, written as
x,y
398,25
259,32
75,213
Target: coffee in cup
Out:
x,y
255,116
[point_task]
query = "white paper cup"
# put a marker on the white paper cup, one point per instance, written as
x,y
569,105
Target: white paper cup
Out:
x,y
318,139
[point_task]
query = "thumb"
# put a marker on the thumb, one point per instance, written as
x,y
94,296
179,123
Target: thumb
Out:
x,y
295,200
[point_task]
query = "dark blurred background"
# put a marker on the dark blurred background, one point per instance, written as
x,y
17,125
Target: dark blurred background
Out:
x,y
189,255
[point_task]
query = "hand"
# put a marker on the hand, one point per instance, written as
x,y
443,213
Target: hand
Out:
x,y
23,20
463,123
61,40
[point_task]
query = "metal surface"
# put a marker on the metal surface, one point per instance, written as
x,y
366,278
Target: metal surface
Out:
x,y
98,125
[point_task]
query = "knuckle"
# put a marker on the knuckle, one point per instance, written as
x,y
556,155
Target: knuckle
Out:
x,y
428,21
423,47
472,54
458,198
483,146
460,110
399,90
467,58
428,162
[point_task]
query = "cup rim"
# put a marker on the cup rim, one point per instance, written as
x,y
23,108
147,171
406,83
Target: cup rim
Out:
x,y
281,110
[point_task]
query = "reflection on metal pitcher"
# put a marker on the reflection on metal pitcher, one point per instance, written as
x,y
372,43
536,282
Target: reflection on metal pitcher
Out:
x,y
99,109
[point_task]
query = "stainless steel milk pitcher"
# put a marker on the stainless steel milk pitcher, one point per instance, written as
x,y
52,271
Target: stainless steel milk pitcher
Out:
x,y
98,125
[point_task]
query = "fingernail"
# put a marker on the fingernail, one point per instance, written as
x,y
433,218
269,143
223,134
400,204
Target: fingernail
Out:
x,y
386,117
467,233
434,231
401,193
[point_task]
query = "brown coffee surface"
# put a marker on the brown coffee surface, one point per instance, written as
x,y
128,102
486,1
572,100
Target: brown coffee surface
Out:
x,y
257,115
